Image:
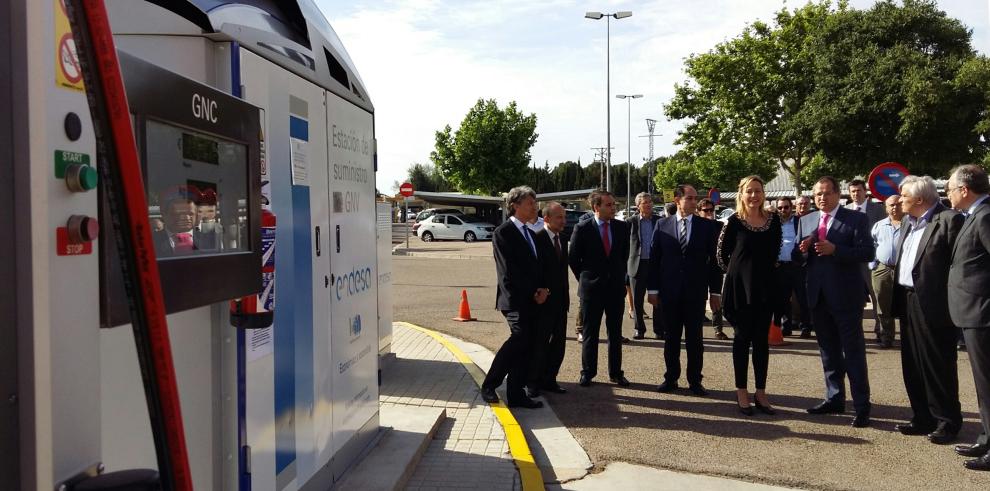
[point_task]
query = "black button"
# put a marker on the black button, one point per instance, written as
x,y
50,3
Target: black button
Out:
x,y
73,126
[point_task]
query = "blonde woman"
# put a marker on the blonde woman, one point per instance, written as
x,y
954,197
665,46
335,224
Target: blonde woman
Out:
x,y
747,250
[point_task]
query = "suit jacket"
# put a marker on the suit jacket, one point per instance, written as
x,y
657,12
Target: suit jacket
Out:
x,y
874,211
677,276
635,245
837,277
597,273
554,271
930,270
518,272
969,274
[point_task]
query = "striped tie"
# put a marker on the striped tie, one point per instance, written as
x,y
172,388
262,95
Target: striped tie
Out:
x,y
683,238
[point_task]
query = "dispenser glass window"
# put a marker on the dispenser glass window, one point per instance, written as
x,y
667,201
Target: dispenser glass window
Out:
x,y
197,189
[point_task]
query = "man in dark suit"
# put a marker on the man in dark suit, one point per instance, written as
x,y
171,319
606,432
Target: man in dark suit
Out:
x,y
683,274
969,292
835,244
521,289
641,229
598,255
180,234
928,338
551,331
859,201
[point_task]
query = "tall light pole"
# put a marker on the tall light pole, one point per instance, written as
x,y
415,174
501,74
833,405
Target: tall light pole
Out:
x,y
628,99
608,88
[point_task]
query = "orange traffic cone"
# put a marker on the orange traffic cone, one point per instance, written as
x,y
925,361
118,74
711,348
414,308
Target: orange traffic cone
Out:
x,y
776,336
465,314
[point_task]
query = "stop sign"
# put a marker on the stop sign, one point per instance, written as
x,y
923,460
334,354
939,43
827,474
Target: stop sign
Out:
x,y
406,189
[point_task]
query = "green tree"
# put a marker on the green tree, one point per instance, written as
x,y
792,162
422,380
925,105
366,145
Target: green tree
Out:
x,y
887,87
424,177
489,153
567,176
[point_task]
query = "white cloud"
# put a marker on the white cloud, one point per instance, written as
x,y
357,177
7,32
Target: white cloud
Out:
x,y
425,62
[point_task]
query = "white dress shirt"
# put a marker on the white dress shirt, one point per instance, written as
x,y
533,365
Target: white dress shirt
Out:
x,y
911,243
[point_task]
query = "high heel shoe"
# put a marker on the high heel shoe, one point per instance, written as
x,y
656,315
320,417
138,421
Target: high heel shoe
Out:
x,y
765,409
748,411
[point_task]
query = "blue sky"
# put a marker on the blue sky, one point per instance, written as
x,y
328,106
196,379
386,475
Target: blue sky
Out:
x,y
426,62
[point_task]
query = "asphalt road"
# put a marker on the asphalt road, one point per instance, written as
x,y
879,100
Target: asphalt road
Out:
x,y
707,435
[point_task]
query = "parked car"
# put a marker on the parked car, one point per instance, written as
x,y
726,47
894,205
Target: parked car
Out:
x,y
571,218
626,214
427,213
454,227
723,216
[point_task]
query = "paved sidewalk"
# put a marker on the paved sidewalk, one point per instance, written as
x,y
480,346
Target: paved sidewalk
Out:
x,y
470,450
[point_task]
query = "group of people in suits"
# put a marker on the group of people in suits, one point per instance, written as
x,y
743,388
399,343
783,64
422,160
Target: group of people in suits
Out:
x,y
935,278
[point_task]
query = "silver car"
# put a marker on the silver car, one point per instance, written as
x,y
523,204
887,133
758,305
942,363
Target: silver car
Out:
x,y
454,227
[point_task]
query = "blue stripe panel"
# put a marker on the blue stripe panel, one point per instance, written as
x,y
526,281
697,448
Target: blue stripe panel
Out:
x,y
302,302
298,128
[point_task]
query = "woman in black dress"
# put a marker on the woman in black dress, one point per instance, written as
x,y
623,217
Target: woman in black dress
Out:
x,y
747,250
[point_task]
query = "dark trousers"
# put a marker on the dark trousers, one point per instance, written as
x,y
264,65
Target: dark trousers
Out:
x,y
752,329
511,358
637,283
928,362
843,350
683,318
785,280
548,347
978,347
801,292
611,306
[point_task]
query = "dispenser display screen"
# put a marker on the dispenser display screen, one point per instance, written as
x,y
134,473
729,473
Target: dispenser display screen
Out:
x,y
197,192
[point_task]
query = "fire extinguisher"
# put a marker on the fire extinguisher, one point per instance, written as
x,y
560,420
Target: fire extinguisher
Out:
x,y
257,311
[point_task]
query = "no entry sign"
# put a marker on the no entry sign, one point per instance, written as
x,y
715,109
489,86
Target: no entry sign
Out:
x,y
406,189
885,178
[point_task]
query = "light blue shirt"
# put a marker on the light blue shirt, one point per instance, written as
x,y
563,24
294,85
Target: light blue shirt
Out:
x,y
600,222
525,231
972,207
678,217
885,235
788,238
911,243
645,237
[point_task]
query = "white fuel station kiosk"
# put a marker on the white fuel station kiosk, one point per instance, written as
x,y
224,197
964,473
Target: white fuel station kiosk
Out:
x,y
257,148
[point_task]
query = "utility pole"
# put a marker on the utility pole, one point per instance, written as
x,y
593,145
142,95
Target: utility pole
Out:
x,y
650,125
600,156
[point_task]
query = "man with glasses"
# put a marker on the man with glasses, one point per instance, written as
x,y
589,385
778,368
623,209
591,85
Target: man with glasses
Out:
x,y
788,276
802,206
969,293
706,209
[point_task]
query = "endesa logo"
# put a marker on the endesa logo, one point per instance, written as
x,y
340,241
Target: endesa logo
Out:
x,y
359,280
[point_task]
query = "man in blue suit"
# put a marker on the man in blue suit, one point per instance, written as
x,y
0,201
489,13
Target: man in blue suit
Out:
x,y
835,244
683,274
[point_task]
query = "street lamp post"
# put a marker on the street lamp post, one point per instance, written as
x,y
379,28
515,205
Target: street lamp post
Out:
x,y
608,89
628,99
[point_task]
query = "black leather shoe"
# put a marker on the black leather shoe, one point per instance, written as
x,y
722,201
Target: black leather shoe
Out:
x,y
620,380
639,335
862,420
699,390
912,429
748,410
667,386
805,334
532,392
526,403
827,408
942,435
659,337
585,381
972,450
978,464
489,395
625,339
555,388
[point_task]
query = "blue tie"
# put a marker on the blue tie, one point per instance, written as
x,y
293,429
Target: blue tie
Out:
x,y
529,238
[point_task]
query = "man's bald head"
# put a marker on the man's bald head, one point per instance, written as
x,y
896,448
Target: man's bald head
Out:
x,y
554,217
893,207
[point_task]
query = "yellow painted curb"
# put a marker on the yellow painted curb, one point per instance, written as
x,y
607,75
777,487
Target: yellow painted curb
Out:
x,y
529,473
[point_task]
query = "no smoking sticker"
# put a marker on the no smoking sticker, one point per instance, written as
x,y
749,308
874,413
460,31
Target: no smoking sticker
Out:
x,y
68,73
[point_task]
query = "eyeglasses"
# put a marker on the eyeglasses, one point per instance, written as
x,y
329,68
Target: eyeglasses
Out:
x,y
708,210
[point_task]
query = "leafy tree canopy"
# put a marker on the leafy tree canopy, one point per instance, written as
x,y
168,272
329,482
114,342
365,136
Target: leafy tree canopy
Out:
x,y
489,153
